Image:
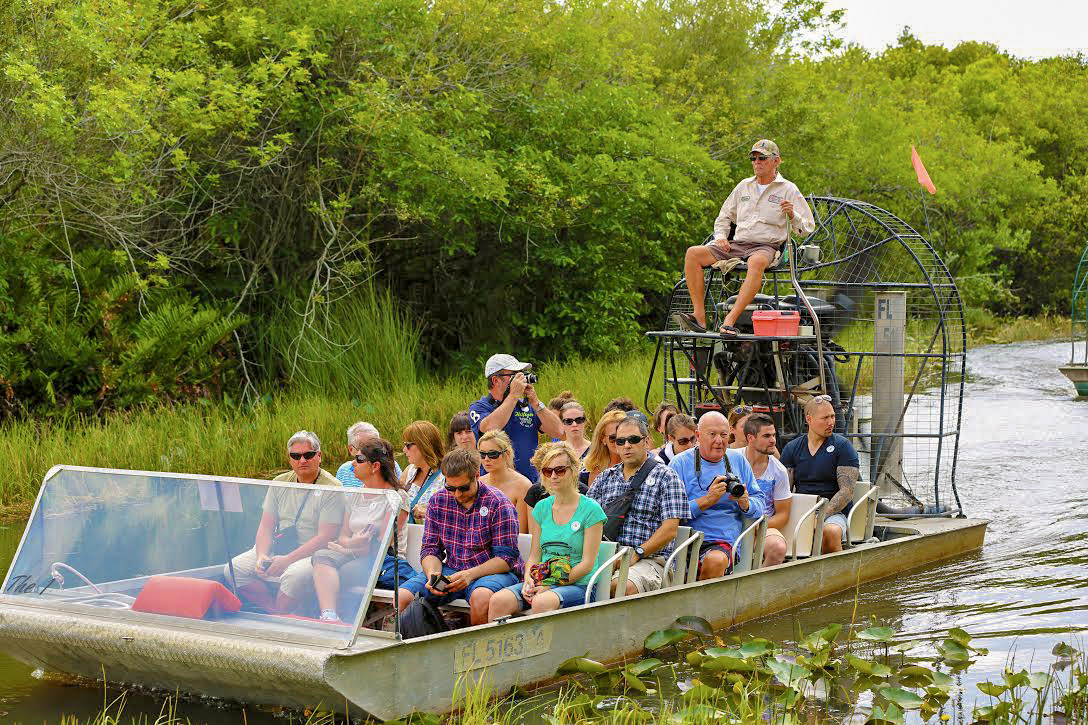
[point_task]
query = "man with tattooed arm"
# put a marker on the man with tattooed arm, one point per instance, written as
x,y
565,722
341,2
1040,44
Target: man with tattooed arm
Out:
x,y
824,463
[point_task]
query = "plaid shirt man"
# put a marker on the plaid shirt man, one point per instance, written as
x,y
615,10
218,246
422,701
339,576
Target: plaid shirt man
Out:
x,y
467,538
661,497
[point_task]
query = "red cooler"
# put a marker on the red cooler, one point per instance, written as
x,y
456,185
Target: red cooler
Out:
x,y
776,323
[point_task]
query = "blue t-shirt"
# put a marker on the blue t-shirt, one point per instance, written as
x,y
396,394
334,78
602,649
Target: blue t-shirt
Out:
x,y
724,521
523,429
567,540
346,474
817,474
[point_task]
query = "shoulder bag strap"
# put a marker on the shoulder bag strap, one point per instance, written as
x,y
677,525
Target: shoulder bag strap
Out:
x,y
301,506
639,478
423,488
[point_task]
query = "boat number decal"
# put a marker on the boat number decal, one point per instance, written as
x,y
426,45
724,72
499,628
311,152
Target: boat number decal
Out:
x,y
495,649
25,584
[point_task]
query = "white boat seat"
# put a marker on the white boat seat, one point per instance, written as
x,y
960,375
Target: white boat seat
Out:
x,y
601,578
804,531
748,548
682,566
859,523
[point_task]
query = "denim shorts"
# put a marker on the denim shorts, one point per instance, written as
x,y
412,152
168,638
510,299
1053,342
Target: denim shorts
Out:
x,y
492,582
570,595
839,520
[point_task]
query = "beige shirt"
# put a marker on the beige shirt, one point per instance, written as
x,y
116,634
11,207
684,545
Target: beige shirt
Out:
x,y
757,216
321,507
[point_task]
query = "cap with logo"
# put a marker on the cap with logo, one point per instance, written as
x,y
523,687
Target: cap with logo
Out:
x,y
766,147
495,363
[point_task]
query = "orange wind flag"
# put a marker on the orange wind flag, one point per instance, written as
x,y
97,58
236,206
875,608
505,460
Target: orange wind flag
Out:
x,y
923,175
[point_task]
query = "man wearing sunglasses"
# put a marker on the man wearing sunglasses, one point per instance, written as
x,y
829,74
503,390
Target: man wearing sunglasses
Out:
x,y
512,405
312,520
656,510
760,207
470,541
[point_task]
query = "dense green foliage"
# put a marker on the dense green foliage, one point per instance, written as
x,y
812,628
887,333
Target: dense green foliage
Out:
x,y
194,198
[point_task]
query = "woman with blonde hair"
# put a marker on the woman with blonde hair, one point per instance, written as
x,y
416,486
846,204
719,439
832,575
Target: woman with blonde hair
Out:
x,y
567,528
573,417
423,476
602,451
497,455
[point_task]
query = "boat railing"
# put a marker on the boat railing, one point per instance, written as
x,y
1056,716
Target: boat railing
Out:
x,y
682,566
748,548
809,525
623,557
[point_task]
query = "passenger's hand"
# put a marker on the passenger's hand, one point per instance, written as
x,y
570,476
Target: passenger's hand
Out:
x,y
787,208
276,568
518,384
420,512
742,501
458,581
528,590
722,244
335,546
717,489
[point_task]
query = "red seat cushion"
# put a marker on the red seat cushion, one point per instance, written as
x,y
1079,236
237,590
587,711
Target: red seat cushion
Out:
x,y
183,596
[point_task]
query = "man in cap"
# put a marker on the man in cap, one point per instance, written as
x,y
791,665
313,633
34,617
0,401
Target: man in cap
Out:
x,y
512,405
759,206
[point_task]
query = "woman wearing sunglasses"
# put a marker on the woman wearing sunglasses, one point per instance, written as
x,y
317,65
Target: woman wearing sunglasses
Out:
x,y
566,528
603,452
461,434
662,415
573,418
497,455
680,434
339,564
423,477
738,416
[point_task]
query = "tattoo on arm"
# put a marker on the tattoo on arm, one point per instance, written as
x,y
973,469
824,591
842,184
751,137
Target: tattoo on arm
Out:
x,y
847,476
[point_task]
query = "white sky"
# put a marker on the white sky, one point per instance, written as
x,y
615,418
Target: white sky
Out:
x,y
1025,28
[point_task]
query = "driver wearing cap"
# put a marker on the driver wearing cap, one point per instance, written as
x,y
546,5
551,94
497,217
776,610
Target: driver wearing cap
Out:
x,y
512,405
762,207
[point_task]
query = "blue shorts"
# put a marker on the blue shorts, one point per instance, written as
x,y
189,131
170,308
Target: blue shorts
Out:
x,y
839,520
492,582
570,595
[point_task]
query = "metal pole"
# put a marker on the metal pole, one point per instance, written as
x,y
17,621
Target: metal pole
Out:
x,y
226,543
889,328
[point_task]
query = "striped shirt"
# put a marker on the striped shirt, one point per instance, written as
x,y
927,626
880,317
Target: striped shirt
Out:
x,y
465,538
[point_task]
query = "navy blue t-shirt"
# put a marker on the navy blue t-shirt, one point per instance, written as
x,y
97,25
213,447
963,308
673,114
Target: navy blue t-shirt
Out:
x,y
817,474
523,429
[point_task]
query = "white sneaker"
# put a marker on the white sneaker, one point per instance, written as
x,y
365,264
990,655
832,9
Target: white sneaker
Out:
x,y
329,615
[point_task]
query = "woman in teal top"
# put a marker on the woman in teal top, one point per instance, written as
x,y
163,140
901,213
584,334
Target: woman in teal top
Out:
x,y
566,528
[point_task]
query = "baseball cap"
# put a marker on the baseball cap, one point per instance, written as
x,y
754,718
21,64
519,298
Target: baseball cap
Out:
x,y
495,363
766,147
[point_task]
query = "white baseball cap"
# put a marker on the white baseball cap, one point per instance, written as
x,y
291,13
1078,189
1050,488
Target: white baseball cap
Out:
x,y
495,363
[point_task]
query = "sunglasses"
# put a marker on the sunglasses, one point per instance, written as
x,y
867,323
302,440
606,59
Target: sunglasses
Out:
x,y
633,440
462,489
742,410
491,454
824,398
574,421
408,444
760,157
547,472
685,440
364,459
299,456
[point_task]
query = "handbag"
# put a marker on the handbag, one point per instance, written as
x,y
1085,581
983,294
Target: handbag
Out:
x,y
285,540
554,570
617,509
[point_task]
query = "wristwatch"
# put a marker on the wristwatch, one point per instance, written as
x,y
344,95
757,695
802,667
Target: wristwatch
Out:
x,y
640,552
540,405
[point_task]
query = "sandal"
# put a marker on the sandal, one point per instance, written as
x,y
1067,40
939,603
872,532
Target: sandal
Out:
x,y
687,321
729,331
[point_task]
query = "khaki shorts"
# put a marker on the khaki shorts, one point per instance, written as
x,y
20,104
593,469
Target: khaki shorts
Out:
x,y
646,574
775,532
744,250
296,581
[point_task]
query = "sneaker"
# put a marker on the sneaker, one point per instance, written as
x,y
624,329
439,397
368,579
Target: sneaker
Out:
x,y
329,615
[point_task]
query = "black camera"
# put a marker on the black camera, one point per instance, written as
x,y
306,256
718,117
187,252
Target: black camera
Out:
x,y
531,378
733,485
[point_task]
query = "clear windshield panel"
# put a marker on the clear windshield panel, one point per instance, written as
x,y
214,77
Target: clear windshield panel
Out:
x,y
178,546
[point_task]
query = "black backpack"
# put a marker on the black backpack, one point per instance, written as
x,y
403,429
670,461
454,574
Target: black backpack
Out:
x,y
617,509
421,618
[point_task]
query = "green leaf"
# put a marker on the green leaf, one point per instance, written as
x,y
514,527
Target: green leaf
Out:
x,y
580,665
916,672
877,634
868,667
643,666
891,714
953,651
695,658
702,693
727,664
903,698
959,636
789,674
1038,680
942,679
698,625
756,648
664,638
821,638
632,682
992,689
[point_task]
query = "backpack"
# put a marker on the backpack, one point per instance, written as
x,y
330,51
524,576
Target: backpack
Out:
x,y
617,509
421,618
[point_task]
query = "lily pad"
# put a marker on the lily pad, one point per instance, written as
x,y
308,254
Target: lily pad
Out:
x,y
633,683
958,635
664,638
702,693
727,664
917,672
991,688
891,714
867,666
756,648
903,698
1038,680
643,666
695,658
789,674
580,665
942,680
877,634
693,624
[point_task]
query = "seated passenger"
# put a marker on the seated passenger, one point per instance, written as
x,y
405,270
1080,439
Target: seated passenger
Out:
x,y
622,404
824,463
737,417
662,415
602,451
422,478
340,564
565,554
556,406
773,483
497,454
470,541
358,434
655,513
713,509
680,436
573,418
460,433
293,526
759,207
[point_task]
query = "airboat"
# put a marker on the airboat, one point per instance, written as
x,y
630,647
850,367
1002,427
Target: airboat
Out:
x,y
1077,369
124,575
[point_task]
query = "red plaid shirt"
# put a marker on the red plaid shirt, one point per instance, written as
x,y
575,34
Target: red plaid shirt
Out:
x,y
465,538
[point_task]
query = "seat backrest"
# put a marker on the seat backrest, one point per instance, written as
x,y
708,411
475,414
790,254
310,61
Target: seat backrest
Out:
x,y
861,516
415,542
525,545
801,530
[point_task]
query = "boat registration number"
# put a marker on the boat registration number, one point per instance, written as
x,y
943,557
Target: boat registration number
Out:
x,y
497,648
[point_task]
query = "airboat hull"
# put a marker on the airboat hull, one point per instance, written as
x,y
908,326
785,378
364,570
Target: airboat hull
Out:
x,y
1078,375
386,679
